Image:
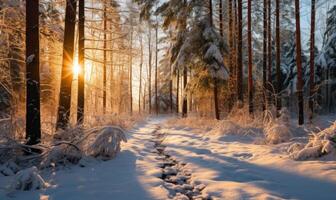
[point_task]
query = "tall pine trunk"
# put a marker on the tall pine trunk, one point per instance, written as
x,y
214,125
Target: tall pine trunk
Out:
x,y
215,81
177,91
131,70
278,60
239,55
67,66
33,116
265,55
105,59
299,62
312,62
150,70
250,61
81,75
141,63
156,69
185,99
269,54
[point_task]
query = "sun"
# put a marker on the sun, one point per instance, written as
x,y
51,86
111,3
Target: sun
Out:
x,y
76,69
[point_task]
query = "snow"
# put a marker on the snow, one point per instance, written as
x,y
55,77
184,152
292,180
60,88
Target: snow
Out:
x,y
321,144
28,179
212,162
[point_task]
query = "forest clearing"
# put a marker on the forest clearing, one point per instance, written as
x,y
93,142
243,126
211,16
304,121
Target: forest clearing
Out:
x,y
167,99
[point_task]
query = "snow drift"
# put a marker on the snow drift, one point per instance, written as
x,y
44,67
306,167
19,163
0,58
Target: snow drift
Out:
x,y
28,179
319,144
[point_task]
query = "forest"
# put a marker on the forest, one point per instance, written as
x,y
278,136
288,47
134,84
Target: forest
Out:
x,y
167,99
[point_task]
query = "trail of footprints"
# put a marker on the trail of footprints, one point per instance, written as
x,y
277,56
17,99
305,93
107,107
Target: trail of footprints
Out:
x,y
177,179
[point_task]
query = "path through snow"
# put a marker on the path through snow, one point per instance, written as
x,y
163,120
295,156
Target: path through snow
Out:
x,y
195,164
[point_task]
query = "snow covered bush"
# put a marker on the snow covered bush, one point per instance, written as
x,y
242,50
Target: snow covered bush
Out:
x,y
319,144
106,143
277,130
10,168
61,154
28,179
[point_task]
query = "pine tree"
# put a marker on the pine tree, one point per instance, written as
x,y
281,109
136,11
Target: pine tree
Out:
x,y
278,59
269,54
239,53
265,55
140,71
312,61
215,81
33,117
150,68
299,63
104,56
250,79
67,73
156,68
81,52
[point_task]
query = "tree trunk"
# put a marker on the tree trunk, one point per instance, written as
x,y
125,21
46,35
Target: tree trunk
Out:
x,y
104,59
185,100
230,37
150,71
312,62
67,66
177,91
141,63
221,18
269,54
278,61
250,79
299,62
265,56
81,75
131,71
215,81
156,69
33,116
240,52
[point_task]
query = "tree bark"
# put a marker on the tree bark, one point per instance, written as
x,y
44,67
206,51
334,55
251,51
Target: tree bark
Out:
x,y
265,56
81,53
105,60
185,100
278,59
141,63
312,61
215,81
269,54
156,69
299,62
150,70
239,55
67,66
177,91
230,37
131,70
250,61
33,116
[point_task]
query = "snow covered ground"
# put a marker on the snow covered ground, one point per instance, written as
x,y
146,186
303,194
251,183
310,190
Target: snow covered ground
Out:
x,y
196,163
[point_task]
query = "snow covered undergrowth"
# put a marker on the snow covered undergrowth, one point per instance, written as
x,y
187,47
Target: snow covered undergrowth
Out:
x,y
228,165
132,174
236,165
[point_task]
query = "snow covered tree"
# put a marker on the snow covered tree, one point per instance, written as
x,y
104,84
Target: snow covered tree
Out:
x,y
327,60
